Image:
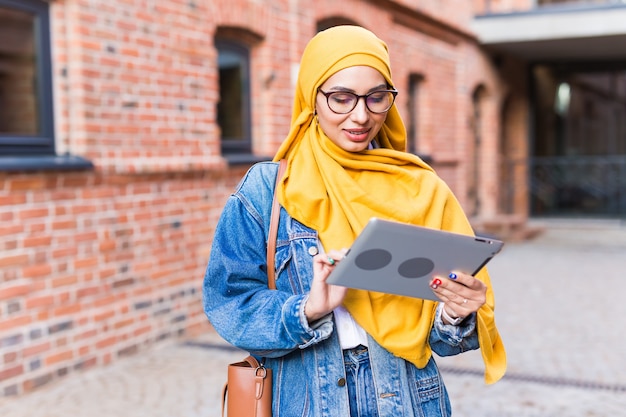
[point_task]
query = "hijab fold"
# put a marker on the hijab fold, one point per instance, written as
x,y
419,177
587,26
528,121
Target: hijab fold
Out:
x,y
336,193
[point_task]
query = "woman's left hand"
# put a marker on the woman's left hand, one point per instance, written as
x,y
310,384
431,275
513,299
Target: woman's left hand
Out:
x,y
462,294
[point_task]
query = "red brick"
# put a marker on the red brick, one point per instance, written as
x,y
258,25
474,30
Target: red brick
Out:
x,y
26,183
59,357
36,382
63,225
142,330
107,342
12,199
64,281
86,335
76,181
11,372
13,260
89,291
58,195
86,263
10,358
14,290
37,271
40,301
32,241
14,323
81,208
64,252
33,213
123,323
107,245
11,230
67,310
104,316
36,349
35,228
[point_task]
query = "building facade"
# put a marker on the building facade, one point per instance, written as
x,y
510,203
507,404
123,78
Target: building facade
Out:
x,y
574,54
125,125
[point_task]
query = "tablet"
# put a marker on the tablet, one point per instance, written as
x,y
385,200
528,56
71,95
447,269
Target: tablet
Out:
x,y
398,258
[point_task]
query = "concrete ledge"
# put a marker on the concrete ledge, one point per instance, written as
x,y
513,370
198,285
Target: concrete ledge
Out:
x,y
507,227
557,33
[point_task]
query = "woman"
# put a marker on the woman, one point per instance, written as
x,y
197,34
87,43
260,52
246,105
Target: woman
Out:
x,y
334,351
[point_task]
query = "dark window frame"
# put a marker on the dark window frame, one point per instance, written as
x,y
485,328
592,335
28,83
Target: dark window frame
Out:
x,y
415,86
239,145
25,153
43,142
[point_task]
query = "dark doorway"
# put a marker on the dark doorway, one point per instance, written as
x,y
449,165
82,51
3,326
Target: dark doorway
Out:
x,y
578,164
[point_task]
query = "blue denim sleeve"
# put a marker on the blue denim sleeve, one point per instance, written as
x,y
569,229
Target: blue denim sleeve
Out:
x,y
237,300
448,340
306,333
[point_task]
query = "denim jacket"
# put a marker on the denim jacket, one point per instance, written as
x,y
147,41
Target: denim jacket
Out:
x,y
306,359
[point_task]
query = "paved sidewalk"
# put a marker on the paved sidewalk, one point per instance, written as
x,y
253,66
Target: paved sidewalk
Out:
x,y
560,307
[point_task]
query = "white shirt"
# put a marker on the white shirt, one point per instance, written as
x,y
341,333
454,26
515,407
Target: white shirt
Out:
x,y
350,333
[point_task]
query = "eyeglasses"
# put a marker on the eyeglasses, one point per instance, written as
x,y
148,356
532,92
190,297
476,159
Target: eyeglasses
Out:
x,y
342,102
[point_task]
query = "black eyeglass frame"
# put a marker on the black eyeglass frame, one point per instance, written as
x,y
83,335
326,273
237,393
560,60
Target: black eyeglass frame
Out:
x,y
393,92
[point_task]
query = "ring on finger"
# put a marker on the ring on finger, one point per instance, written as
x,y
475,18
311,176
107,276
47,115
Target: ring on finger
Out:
x,y
465,301
331,261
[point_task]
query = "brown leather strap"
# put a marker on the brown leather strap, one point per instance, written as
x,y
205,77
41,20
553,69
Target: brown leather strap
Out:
x,y
271,269
271,238
252,362
224,393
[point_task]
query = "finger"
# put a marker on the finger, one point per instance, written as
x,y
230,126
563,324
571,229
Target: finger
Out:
x,y
467,280
453,293
440,288
325,259
458,302
453,283
337,255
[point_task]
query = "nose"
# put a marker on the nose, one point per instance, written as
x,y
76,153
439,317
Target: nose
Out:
x,y
360,113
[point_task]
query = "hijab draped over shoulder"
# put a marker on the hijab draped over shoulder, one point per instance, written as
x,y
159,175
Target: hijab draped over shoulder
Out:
x,y
336,192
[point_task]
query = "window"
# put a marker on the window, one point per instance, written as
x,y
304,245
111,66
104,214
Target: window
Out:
x,y
26,116
413,128
233,109
413,138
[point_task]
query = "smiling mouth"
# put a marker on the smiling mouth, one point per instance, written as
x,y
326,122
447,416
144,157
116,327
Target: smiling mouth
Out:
x,y
357,132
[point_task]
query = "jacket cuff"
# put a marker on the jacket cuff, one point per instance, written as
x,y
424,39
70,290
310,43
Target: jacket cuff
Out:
x,y
454,335
298,327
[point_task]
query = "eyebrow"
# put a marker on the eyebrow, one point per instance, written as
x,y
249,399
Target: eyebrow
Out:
x,y
349,90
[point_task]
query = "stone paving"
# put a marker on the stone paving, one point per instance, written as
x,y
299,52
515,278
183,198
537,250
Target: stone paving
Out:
x,y
560,310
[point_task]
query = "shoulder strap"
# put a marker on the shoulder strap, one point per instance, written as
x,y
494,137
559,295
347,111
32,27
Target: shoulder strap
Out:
x,y
271,238
271,252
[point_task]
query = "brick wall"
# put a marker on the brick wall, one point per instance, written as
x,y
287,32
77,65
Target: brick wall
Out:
x,y
95,267
99,265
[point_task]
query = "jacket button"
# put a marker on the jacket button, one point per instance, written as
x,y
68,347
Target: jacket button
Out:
x,y
341,382
313,251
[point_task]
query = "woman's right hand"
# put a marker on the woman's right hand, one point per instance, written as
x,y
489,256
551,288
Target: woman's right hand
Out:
x,y
323,297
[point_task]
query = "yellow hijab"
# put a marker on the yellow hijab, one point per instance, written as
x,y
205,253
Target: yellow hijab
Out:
x,y
336,192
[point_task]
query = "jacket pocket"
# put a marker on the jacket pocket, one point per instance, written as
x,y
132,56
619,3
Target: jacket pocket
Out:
x,y
428,389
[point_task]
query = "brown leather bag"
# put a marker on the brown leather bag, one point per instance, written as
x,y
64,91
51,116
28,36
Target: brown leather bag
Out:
x,y
248,391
